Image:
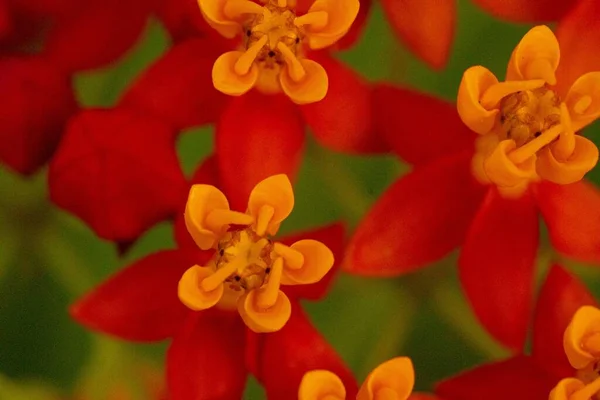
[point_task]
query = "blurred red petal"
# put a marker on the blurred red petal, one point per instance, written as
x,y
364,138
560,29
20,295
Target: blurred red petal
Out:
x,y
117,172
334,237
98,33
5,19
527,10
183,19
425,26
36,102
578,34
423,396
140,302
572,214
206,359
561,295
207,173
497,263
342,120
257,136
178,87
418,127
516,378
282,358
419,219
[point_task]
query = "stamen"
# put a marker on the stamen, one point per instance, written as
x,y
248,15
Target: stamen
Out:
x,y
244,63
219,218
521,154
541,67
582,104
587,392
293,258
268,297
236,8
296,70
212,282
566,141
316,19
497,92
591,343
264,217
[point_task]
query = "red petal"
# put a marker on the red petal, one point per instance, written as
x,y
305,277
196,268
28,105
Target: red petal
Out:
x,y
497,263
178,87
36,102
97,33
418,127
517,378
527,10
257,136
561,295
207,173
426,26
6,24
206,359
282,358
183,19
108,173
140,302
342,120
572,214
419,219
423,396
333,236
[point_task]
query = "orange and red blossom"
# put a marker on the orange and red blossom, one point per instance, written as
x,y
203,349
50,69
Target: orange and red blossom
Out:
x,y
248,268
527,124
275,40
393,379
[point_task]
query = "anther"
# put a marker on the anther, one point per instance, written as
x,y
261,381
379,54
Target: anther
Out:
x,y
265,214
268,297
212,282
316,19
236,8
218,218
293,258
521,154
244,63
295,68
566,142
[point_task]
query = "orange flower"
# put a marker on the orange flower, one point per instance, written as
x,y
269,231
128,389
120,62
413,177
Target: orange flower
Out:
x,y
527,124
248,267
272,57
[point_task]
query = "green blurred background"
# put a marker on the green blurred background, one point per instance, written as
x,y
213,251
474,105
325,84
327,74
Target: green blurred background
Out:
x,y
48,258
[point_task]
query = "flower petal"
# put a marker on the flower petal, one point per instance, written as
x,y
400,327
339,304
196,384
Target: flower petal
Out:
x,y
178,87
578,34
516,378
496,266
333,236
536,56
340,16
257,136
583,100
276,194
37,99
317,262
103,175
396,375
205,360
282,358
140,302
183,19
475,82
310,89
572,214
319,383
560,297
261,320
404,118
357,28
342,120
527,10
419,219
425,26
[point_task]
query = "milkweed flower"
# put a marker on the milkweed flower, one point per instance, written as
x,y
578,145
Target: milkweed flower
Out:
x,y
564,313
484,193
140,303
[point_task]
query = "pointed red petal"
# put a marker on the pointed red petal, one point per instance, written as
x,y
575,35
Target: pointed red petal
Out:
x,y
97,33
257,136
110,175
425,26
140,302
282,358
183,19
497,265
418,127
333,236
572,214
206,359
178,88
36,102
342,120
517,378
207,173
561,295
527,10
419,219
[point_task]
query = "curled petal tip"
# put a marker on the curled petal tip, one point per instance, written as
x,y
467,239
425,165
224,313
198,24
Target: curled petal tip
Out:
x,y
261,320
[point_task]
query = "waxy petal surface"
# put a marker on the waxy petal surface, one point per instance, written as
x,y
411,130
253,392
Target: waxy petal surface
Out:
x,y
527,10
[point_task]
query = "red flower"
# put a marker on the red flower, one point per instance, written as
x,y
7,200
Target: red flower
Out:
x,y
440,206
529,377
212,351
530,10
